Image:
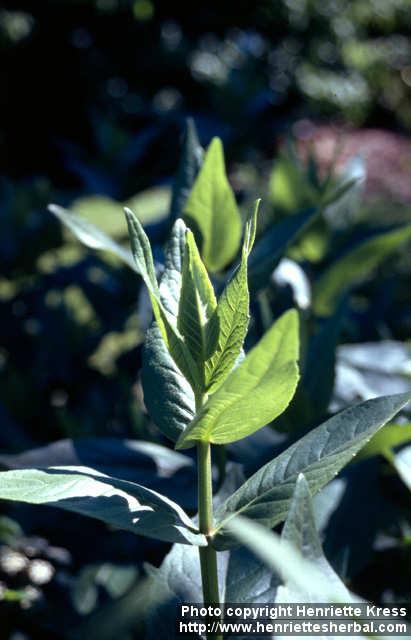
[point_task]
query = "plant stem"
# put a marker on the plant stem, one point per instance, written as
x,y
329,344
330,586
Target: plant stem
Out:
x,y
208,555
205,488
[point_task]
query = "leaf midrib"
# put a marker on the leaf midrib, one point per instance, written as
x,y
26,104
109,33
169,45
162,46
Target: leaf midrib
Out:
x,y
284,480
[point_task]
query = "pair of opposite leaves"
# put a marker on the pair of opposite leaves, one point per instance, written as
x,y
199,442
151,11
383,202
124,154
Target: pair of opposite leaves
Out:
x,y
205,340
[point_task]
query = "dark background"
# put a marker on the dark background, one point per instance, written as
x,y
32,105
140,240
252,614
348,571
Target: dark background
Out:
x,y
93,99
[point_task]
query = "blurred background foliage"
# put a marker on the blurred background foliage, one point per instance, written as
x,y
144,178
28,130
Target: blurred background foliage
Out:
x,y
95,95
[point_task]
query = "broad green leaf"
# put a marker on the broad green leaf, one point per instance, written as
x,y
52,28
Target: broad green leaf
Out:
x,y
197,304
355,267
320,455
120,503
392,435
230,319
141,250
300,531
255,393
91,236
188,168
272,245
211,211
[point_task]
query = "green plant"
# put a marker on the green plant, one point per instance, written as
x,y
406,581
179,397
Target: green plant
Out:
x,y
201,387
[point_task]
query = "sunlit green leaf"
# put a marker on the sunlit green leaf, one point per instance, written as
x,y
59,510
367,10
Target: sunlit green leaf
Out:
x,y
402,462
255,393
289,188
211,211
230,320
120,503
392,435
197,304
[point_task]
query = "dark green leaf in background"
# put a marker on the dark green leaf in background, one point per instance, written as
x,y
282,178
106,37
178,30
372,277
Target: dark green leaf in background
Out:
x,y
191,160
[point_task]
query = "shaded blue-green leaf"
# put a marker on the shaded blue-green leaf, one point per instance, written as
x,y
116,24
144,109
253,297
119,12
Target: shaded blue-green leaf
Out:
x,y
255,393
211,211
190,163
119,503
320,455
168,396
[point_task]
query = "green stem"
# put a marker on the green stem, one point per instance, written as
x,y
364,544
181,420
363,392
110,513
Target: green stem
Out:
x,y
205,488
208,555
